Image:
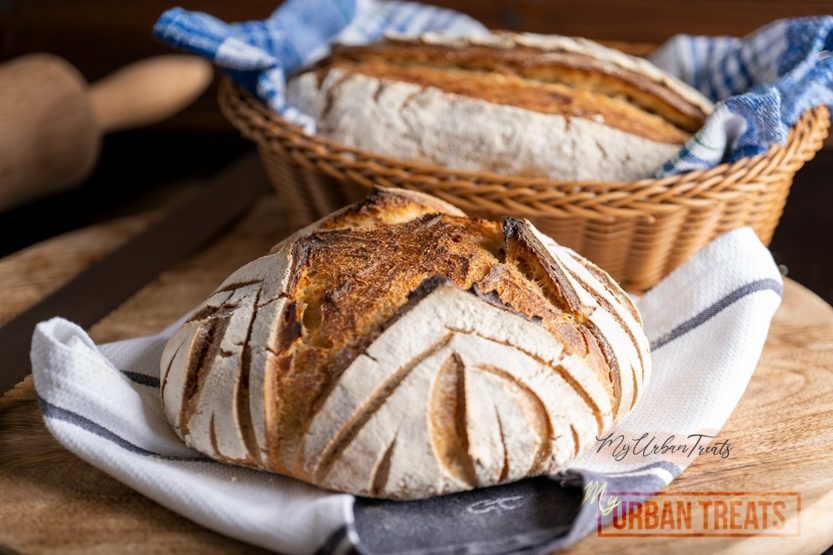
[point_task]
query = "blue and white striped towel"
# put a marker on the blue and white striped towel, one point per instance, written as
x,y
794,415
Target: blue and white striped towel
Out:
x,y
259,55
707,321
761,83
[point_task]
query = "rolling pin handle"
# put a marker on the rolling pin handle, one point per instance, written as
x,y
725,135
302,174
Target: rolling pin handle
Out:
x,y
148,91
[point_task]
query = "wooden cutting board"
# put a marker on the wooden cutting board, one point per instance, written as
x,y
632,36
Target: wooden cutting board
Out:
x,y
53,502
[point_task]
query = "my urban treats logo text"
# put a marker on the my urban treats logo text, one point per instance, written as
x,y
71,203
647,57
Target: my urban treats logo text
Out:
x,y
669,447
721,513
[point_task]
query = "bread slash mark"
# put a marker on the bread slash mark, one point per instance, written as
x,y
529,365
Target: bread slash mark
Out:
x,y
345,435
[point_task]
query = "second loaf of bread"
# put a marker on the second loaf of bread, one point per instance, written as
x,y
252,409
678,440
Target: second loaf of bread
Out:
x,y
513,104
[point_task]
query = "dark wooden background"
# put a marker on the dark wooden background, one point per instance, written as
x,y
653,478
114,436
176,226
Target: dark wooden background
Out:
x,y
98,36
142,169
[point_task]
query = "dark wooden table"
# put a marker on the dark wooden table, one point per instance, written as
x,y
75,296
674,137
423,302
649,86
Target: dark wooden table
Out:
x,y
55,503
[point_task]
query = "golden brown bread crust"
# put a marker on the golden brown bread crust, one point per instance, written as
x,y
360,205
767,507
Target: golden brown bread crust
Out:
x,y
351,277
552,81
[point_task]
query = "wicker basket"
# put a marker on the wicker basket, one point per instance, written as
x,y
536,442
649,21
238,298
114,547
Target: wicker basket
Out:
x,y
637,231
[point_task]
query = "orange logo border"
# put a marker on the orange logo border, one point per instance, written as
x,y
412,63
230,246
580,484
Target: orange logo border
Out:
x,y
600,527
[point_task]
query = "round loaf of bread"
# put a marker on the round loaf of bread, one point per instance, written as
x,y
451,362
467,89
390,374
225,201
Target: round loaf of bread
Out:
x,y
401,349
513,104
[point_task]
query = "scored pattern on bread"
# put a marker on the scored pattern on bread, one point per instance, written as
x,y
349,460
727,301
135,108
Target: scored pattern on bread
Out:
x,y
400,349
577,62
513,104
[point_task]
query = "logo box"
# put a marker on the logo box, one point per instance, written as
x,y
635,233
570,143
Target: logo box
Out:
x,y
715,513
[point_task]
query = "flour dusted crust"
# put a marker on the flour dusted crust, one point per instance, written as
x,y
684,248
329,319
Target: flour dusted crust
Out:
x,y
400,349
427,125
513,104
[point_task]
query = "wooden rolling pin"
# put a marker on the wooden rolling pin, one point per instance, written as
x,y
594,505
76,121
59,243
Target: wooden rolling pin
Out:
x,y
51,120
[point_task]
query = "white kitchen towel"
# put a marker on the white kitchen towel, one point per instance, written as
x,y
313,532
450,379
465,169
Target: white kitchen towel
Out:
x,y
707,323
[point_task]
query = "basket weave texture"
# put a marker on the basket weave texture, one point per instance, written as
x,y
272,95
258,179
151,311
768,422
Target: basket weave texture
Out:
x,y
637,231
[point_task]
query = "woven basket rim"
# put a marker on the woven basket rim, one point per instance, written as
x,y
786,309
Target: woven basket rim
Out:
x,y
256,121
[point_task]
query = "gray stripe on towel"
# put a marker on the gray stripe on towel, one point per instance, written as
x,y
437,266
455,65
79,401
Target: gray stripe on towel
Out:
x,y
716,308
141,379
57,413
